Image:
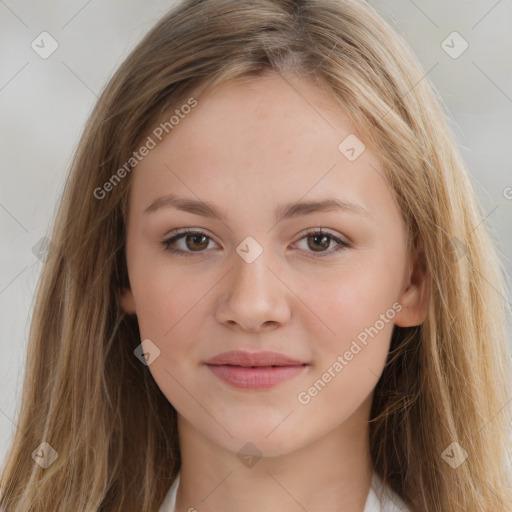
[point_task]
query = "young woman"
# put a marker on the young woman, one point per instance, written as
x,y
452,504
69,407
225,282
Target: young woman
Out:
x,y
269,286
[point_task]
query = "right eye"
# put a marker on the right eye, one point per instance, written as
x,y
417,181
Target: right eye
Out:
x,y
192,239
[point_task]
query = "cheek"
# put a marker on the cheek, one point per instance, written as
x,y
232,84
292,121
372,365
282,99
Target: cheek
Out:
x,y
349,364
355,300
164,294
172,308
357,319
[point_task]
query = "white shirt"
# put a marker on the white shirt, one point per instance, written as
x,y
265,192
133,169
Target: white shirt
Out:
x,y
389,501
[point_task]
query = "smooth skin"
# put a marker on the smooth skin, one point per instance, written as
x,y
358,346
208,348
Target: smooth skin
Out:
x,y
248,149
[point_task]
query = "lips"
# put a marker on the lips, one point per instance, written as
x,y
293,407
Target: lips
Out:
x,y
247,359
254,370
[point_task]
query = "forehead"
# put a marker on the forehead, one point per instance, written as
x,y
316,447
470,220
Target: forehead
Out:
x,y
262,118
275,104
270,138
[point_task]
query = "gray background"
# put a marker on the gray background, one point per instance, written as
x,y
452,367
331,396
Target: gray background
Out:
x,y
44,104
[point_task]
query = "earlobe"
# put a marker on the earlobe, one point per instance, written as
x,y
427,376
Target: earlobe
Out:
x,y
416,293
128,301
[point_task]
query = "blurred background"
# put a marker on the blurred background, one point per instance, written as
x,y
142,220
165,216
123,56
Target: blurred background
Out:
x,y
56,57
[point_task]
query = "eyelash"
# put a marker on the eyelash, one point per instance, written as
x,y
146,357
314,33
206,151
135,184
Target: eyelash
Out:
x,y
311,231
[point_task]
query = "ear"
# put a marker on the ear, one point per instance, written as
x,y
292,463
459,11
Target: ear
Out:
x,y
128,301
415,294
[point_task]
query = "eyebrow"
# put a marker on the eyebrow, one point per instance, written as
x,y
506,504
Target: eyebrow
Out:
x,y
287,211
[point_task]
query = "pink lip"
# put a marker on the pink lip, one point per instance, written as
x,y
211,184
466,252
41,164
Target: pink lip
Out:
x,y
254,370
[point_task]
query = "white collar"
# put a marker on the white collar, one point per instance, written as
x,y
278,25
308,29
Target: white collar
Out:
x,y
380,498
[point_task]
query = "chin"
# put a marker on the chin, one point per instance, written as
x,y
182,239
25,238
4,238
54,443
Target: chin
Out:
x,y
261,440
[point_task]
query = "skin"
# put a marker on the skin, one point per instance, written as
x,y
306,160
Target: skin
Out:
x,y
250,148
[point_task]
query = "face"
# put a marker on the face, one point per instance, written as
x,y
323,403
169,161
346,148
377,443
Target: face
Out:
x,y
261,276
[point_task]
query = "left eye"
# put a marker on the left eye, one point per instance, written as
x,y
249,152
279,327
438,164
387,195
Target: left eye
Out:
x,y
200,241
322,239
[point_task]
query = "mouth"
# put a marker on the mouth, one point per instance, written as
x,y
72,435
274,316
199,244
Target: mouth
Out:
x,y
259,370
255,377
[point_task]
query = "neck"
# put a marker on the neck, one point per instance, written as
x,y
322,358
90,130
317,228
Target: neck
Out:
x,y
332,474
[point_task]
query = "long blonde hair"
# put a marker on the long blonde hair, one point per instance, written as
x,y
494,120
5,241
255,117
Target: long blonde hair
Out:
x,y
446,381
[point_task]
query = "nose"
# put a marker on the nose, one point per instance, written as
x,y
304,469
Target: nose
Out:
x,y
252,296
